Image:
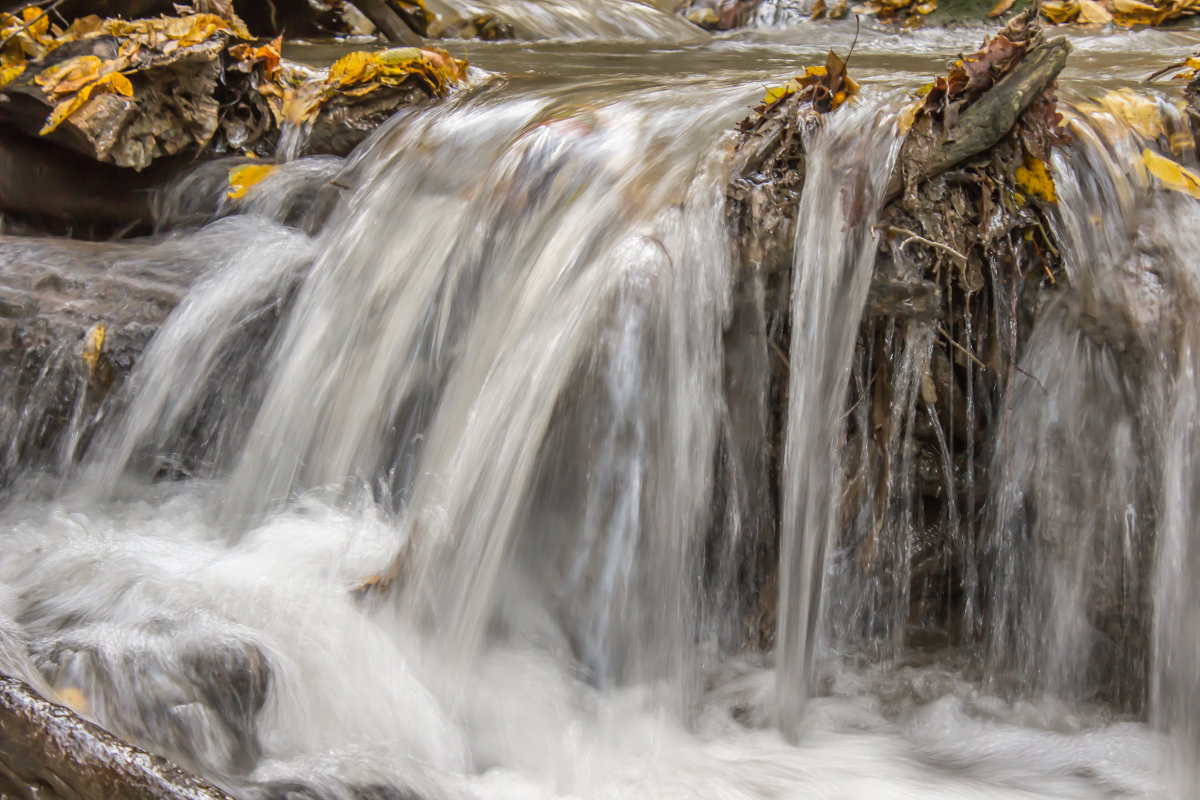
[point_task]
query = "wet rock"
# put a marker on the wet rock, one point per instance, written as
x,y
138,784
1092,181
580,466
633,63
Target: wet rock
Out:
x,y
185,691
296,790
60,290
487,27
718,15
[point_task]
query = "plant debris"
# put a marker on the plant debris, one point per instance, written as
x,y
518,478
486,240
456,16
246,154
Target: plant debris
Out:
x,y
964,255
132,91
1126,13
908,12
825,88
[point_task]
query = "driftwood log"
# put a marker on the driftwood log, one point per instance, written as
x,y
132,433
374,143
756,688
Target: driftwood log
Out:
x,y
985,122
49,751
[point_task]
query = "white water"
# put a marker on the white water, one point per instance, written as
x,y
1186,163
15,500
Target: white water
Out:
x,y
497,382
834,258
563,19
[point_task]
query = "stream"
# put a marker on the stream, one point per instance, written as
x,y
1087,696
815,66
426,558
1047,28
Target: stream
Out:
x,y
453,407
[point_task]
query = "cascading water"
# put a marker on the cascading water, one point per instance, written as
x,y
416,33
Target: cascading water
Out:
x,y
562,19
834,258
431,484
1137,287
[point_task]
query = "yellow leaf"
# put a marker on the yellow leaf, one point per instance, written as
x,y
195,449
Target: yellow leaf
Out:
x,y
1140,112
93,349
38,25
399,56
82,28
269,55
1059,11
777,93
350,68
10,72
907,116
70,75
1132,7
243,177
1035,179
1093,12
118,83
1171,175
1000,7
113,83
1132,12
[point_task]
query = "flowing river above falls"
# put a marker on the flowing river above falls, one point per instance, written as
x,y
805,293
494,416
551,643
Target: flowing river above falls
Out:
x,y
459,399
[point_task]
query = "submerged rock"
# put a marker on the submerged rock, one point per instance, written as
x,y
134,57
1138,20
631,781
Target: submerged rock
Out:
x,y
718,15
53,294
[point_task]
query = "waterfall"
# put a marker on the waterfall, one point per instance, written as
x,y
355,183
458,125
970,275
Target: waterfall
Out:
x,y
450,469
561,19
834,257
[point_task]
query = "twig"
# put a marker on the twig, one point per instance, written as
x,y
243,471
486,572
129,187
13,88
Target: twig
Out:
x,y
950,340
960,348
914,237
779,351
866,390
1163,71
853,44
1031,377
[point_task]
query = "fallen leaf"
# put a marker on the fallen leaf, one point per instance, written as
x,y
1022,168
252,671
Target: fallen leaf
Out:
x,y
243,177
1060,11
1035,180
70,75
1093,12
1140,112
113,83
776,93
10,72
267,56
93,346
1172,176
37,25
907,116
1000,8
1132,12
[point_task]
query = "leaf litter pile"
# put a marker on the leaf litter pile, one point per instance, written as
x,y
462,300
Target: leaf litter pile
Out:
x,y
130,91
965,254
